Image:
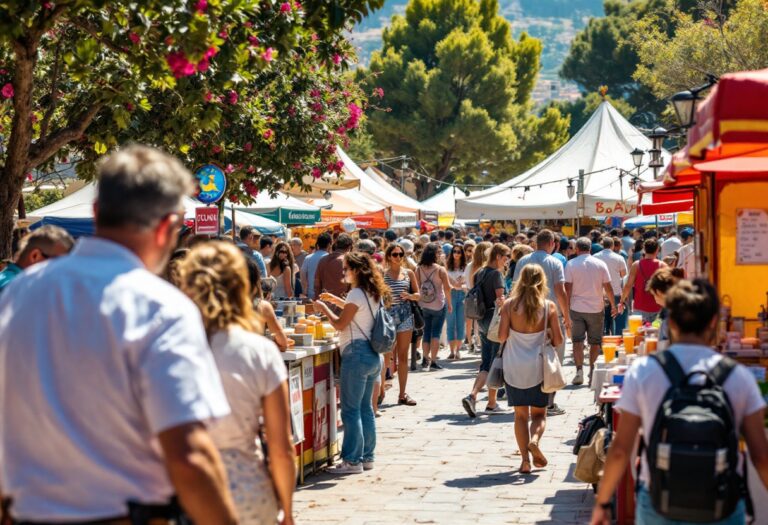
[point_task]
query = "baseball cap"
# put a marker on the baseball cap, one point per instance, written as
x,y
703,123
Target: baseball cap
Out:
x,y
686,233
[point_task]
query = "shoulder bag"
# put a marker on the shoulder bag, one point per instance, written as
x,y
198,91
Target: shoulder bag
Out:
x,y
474,306
383,333
493,328
418,315
554,378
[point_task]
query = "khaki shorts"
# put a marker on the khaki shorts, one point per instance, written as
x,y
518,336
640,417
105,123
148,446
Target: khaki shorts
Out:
x,y
587,326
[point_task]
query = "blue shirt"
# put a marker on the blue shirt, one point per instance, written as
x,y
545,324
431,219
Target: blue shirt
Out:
x,y
9,274
560,257
310,267
552,267
256,256
596,248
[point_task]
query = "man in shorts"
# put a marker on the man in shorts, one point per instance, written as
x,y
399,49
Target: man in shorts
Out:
x,y
587,280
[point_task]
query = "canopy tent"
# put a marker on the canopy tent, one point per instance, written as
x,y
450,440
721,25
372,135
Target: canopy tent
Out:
x,y
281,208
601,148
445,205
74,213
329,181
385,191
662,219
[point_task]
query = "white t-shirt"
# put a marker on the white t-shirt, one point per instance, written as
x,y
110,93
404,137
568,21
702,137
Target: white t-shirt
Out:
x,y
670,246
587,274
251,368
616,265
98,356
646,384
688,260
362,324
467,273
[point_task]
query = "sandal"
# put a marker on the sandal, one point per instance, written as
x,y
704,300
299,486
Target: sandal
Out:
x,y
452,356
381,397
523,469
539,460
406,400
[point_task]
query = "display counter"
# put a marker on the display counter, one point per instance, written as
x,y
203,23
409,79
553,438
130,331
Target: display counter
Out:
x,y
312,373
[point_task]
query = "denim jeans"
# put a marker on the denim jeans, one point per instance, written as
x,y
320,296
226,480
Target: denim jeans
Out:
x,y
360,368
488,348
433,323
645,514
615,325
456,324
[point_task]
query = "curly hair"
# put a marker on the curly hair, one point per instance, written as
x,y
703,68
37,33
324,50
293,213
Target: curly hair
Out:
x,y
369,277
531,291
215,276
451,265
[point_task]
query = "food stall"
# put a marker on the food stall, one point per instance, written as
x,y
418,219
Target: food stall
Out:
x,y
723,172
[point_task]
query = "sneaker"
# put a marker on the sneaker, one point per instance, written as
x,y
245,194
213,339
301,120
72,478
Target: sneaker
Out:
x,y
425,363
578,379
501,393
469,405
367,465
495,410
435,366
418,355
555,410
344,468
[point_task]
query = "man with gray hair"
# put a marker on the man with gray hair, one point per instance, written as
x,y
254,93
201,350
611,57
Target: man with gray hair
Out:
x,y
586,281
46,242
121,383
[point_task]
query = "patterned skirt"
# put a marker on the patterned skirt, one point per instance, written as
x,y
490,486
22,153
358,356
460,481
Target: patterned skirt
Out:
x,y
251,487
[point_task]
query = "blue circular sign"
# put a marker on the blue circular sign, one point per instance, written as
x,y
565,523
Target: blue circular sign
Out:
x,y
212,183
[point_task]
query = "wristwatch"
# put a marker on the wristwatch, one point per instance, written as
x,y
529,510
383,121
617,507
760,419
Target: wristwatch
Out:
x,y
606,506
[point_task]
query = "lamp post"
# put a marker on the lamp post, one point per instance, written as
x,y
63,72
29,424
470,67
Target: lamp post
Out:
x,y
686,102
657,136
403,167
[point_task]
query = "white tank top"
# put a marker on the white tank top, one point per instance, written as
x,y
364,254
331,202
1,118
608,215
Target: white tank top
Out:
x,y
521,360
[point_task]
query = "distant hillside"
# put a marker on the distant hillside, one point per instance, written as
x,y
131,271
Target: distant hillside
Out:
x,y
554,22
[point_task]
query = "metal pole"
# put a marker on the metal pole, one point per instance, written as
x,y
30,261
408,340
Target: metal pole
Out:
x,y
233,224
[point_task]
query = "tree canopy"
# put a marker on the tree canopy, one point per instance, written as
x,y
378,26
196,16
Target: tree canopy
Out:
x,y
458,88
253,85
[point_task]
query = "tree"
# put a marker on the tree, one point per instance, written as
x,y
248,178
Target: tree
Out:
x,y
234,82
581,109
716,43
458,88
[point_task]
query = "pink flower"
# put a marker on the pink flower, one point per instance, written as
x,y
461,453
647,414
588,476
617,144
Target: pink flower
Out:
x,y
339,166
337,59
134,37
233,198
292,111
379,92
285,7
47,5
268,134
223,34
354,116
203,65
267,54
251,169
248,24
317,107
254,40
179,64
3,72
314,37
229,169
7,90
247,147
315,93
232,97
201,6
208,96
210,52
216,149
297,5
316,173
29,176
129,106
297,165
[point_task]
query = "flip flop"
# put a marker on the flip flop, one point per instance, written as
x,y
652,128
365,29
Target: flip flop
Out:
x,y
524,470
539,460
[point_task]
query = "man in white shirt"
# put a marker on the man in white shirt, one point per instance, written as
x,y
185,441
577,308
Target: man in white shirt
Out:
x,y
107,400
693,319
687,253
671,245
617,268
586,281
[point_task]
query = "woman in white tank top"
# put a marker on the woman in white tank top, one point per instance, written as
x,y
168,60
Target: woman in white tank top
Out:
x,y
527,321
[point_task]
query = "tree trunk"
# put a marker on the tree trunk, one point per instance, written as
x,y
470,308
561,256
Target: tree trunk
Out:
x,y
17,152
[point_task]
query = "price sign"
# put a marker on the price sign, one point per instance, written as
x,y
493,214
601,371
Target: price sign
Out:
x,y
207,221
752,236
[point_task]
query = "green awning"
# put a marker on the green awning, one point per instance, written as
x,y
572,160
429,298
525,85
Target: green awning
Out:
x,y
290,216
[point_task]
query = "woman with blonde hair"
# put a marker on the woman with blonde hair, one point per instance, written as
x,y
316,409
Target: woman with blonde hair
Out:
x,y
282,267
360,364
214,275
528,320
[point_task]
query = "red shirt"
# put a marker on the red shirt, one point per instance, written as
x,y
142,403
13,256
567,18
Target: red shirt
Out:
x,y
644,300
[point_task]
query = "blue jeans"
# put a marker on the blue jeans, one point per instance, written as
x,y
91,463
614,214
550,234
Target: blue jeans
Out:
x,y
645,514
456,324
360,368
433,323
488,349
615,325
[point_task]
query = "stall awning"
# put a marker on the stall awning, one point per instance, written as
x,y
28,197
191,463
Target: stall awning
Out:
x,y
735,165
657,198
376,220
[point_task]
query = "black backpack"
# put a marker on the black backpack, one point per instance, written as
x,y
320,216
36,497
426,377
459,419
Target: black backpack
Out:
x,y
693,450
474,304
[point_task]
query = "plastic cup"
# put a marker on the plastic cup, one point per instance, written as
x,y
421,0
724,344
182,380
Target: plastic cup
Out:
x,y
635,322
609,351
629,342
651,344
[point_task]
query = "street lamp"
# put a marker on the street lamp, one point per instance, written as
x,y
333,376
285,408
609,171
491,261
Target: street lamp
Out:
x,y
327,194
685,102
637,157
571,189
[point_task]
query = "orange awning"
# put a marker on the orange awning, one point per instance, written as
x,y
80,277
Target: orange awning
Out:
x,y
376,220
735,165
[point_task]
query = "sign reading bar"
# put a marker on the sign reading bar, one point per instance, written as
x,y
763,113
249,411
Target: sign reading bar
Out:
x,y
207,221
751,236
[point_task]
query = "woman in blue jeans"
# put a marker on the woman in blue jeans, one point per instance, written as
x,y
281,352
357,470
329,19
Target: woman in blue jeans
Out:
x,y
360,365
435,301
456,264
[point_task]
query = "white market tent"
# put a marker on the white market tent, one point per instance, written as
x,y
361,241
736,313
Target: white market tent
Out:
x,y
600,148
329,181
74,213
445,205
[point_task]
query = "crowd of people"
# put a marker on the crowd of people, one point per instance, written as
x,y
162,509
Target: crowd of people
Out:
x,y
187,390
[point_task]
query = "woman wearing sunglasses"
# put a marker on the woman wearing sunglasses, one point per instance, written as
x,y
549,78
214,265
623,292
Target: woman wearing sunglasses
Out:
x,y
281,267
360,365
401,282
456,265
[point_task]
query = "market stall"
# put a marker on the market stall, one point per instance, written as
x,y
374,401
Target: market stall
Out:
x,y
445,205
281,208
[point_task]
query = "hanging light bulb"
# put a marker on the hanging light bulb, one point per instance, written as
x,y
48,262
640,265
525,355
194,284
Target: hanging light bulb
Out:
x,y
327,194
571,189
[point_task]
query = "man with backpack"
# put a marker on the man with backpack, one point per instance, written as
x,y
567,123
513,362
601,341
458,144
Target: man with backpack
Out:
x,y
691,404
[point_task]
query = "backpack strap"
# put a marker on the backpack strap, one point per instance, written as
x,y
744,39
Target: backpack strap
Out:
x,y
722,370
671,367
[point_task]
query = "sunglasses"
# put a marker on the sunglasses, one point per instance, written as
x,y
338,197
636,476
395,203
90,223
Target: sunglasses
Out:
x,y
282,252
397,254
457,252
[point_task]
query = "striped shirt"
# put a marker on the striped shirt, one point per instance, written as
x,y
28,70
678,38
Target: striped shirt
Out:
x,y
397,286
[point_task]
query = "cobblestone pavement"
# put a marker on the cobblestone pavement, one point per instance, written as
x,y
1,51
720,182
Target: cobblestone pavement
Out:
x,y
435,465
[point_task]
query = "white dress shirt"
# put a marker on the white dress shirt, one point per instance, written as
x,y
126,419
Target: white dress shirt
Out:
x,y
97,356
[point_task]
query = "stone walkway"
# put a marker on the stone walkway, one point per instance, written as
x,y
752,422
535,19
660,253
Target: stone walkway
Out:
x,y
435,465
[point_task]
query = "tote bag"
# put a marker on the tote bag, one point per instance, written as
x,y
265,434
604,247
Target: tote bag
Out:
x,y
493,328
554,378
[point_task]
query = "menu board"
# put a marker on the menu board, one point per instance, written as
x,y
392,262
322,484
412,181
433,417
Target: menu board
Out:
x,y
752,236
297,404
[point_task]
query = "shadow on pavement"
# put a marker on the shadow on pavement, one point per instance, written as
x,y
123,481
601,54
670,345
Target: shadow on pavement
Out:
x,y
490,480
571,506
461,419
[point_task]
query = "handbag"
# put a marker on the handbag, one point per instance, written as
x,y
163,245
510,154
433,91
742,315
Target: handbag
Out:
x,y
418,315
496,373
383,333
474,305
493,328
591,460
588,427
554,378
